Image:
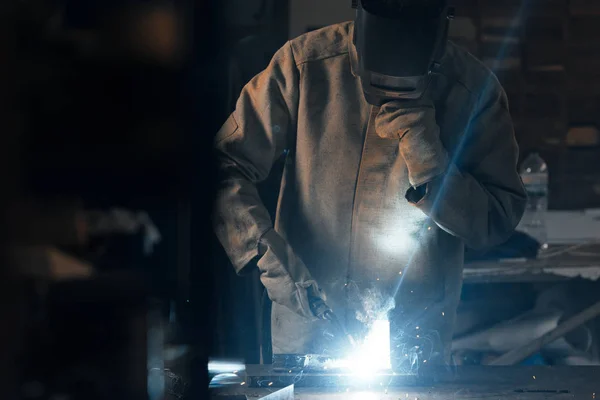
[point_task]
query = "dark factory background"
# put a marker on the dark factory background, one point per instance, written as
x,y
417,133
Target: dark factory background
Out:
x,y
108,113
106,129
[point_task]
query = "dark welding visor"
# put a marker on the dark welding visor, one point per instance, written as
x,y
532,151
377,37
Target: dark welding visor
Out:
x,y
403,9
398,46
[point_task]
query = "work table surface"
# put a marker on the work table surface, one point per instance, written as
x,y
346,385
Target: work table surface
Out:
x,y
556,263
489,383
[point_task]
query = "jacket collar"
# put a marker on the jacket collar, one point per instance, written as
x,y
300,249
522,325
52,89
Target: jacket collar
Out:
x,y
352,52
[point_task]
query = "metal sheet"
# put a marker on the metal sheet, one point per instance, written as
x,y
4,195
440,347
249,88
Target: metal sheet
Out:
x,y
555,379
286,393
428,393
460,383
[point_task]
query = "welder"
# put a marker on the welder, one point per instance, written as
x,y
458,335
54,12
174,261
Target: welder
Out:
x,y
400,152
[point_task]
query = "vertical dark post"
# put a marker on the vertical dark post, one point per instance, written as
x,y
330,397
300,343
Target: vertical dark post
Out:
x,y
12,294
206,36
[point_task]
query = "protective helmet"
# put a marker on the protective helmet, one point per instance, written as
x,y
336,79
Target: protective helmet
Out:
x,y
399,45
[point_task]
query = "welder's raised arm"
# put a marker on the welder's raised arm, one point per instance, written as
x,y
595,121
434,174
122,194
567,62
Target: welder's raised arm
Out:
x,y
480,196
254,136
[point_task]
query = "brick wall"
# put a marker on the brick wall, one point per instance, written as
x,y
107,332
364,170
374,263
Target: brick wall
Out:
x,y
546,53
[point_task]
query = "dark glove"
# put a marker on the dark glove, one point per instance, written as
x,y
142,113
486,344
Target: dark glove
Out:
x,y
286,278
413,123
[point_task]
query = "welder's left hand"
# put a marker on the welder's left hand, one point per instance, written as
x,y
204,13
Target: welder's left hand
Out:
x,y
413,123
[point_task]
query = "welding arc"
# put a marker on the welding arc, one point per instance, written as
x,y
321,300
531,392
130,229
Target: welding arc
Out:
x,y
463,140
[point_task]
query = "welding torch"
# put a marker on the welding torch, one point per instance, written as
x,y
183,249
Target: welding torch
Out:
x,y
323,311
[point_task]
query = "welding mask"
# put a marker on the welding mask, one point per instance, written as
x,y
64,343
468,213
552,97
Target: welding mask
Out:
x,y
399,44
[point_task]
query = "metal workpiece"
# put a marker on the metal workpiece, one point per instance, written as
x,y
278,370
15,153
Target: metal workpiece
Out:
x,y
406,394
287,393
266,377
522,377
517,382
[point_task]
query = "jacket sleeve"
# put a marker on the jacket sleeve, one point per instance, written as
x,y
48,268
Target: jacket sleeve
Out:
x,y
249,142
480,198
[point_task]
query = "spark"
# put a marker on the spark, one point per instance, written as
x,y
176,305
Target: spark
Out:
x,y
270,383
534,377
428,228
400,273
417,327
443,314
243,383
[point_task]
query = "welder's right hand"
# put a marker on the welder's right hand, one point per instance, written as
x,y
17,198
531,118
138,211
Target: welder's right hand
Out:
x,y
286,278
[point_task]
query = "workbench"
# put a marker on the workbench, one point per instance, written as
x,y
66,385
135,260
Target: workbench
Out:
x,y
574,238
558,263
473,383
561,262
